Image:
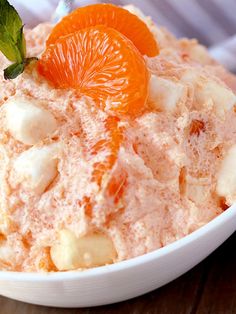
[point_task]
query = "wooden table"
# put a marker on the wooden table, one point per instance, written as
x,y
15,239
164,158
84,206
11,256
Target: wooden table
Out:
x,y
208,288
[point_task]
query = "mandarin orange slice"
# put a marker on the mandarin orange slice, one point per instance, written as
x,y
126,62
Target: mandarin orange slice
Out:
x,y
101,63
109,144
102,152
111,16
101,137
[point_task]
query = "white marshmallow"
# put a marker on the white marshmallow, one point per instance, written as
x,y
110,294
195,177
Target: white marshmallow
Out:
x,y
226,181
27,122
165,94
37,167
88,251
207,90
223,98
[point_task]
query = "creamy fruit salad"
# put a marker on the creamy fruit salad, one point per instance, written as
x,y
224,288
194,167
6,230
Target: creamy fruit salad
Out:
x,y
117,141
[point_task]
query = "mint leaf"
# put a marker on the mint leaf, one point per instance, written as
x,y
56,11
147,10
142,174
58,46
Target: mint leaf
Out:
x,y
21,44
12,40
9,49
13,71
16,69
12,43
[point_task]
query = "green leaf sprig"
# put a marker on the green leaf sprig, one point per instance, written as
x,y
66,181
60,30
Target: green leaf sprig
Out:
x,y
12,40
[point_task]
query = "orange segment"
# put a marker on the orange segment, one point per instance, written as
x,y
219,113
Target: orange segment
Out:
x,y
102,152
101,63
111,16
110,146
101,138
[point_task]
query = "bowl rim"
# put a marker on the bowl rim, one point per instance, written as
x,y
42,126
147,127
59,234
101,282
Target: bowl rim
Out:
x,y
126,264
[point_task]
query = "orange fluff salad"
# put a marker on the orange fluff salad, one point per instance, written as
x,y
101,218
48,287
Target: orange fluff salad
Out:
x,y
117,141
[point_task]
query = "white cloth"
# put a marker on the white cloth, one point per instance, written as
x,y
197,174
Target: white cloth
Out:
x,y
212,22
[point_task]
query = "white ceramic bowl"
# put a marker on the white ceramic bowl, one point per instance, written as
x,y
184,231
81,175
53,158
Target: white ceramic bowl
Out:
x,y
124,280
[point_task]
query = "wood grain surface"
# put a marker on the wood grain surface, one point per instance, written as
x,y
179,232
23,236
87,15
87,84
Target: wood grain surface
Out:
x,y
209,288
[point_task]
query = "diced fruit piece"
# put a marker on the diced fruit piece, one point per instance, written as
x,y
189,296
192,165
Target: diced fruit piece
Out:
x,y
27,122
196,127
226,181
111,16
45,262
37,167
88,251
101,63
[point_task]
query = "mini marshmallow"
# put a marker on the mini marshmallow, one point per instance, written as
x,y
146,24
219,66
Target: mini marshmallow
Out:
x,y
165,94
27,122
36,168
